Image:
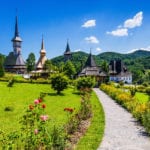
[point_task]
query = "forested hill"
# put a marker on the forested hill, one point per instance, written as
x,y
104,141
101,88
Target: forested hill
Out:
x,y
139,56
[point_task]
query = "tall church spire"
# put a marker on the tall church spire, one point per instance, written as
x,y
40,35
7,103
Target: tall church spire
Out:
x,y
16,35
16,27
42,45
42,59
67,53
16,39
67,48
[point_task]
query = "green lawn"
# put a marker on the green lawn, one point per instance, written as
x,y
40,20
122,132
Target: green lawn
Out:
x,y
23,94
142,97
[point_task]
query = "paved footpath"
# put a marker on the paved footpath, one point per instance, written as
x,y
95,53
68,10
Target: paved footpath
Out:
x,y
122,132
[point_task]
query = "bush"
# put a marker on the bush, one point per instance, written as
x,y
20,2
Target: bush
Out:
x,y
59,82
85,82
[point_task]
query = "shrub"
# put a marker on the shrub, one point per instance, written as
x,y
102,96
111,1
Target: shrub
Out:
x,y
85,82
59,82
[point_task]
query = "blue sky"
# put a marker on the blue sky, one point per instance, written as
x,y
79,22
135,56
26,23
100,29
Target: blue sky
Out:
x,y
102,25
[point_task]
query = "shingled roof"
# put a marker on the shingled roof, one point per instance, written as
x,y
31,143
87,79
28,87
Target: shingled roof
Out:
x,y
67,51
91,69
90,61
13,60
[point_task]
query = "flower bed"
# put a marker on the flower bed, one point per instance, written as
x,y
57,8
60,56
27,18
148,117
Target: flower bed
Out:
x,y
141,111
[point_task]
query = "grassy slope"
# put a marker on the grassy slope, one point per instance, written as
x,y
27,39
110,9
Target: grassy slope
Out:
x,y
94,135
21,95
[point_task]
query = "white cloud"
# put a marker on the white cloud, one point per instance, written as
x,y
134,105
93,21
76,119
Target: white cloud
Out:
x,y
89,23
119,32
144,49
92,39
98,49
136,21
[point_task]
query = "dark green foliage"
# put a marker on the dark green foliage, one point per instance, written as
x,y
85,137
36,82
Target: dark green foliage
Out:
x,y
59,82
85,82
2,71
30,62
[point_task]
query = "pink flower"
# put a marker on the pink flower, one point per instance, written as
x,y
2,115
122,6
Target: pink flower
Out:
x,y
36,101
36,131
44,117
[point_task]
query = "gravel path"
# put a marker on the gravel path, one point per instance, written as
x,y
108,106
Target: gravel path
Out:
x,y
122,132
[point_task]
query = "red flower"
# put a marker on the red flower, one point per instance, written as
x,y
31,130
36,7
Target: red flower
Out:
x,y
31,107
40,100
43,106
68,109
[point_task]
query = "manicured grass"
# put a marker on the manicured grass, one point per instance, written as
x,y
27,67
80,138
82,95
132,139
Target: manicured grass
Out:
x,y
95,132
142,97
22,94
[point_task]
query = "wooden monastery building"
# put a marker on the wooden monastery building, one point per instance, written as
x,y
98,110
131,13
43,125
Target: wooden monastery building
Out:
x,y
91,69
14,61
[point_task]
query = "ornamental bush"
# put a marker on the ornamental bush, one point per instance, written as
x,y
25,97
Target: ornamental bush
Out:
x,y
59,82
85,82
